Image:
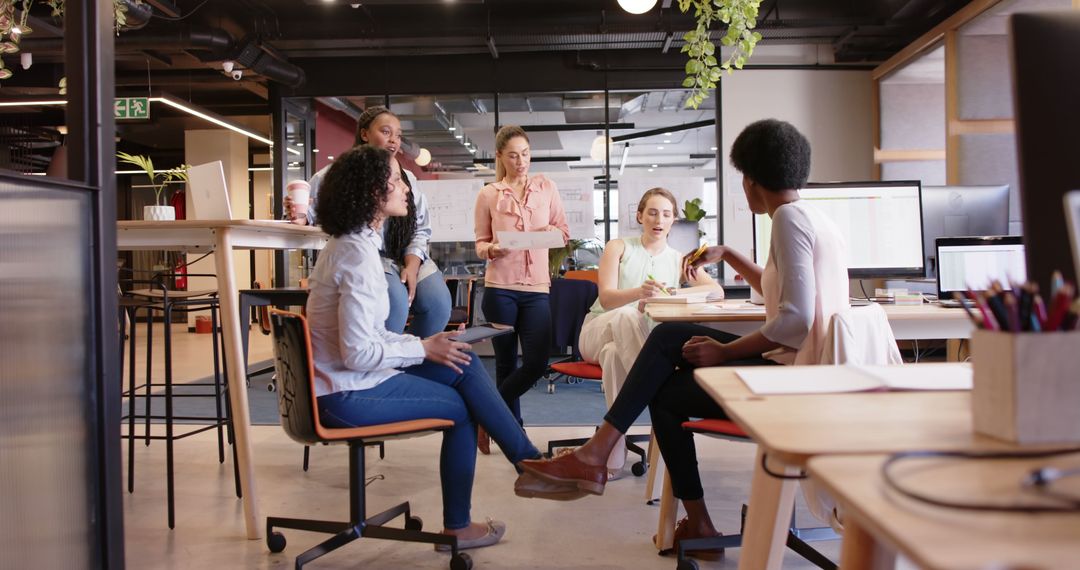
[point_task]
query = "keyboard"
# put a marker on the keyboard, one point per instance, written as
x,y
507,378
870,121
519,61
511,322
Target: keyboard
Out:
x,y
955,303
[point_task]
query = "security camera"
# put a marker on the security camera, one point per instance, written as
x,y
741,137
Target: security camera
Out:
x,y
237,74
227,65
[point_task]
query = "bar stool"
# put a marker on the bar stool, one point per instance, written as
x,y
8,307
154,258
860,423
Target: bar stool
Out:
x,y
158,298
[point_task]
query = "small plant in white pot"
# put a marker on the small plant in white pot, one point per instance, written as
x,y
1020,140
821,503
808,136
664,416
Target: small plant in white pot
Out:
x,y
159,181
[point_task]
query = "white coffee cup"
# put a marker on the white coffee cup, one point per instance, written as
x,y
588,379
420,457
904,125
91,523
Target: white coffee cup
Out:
x,y
756,298
300,194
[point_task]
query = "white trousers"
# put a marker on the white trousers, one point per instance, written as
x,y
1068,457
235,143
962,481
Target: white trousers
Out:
x,y
613,340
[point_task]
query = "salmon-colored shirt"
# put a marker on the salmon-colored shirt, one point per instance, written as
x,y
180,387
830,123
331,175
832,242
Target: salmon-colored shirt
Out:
x,y
497,210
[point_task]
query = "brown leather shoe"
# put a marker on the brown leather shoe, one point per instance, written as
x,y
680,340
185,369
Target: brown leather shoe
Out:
x,y
483,442
682,532
569,469
530,486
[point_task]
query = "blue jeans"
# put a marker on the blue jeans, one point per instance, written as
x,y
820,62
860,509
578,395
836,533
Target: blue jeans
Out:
x,y
530,315
431,390
430,308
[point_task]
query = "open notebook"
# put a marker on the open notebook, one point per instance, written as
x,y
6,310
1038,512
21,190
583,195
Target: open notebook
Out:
x,y
699,294
772,380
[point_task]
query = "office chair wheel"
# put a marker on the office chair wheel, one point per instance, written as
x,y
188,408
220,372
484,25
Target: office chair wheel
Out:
x,y
275,541
639,469
414,523
687,564
461,562
551,388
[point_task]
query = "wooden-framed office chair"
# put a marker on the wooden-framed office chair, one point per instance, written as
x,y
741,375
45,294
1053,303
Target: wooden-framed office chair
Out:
x,y
300,419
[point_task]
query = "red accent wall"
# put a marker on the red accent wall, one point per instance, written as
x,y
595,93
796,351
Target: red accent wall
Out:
x,y
334,134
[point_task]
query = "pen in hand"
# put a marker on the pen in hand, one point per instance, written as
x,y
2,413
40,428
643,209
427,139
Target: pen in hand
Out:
x,y
663,290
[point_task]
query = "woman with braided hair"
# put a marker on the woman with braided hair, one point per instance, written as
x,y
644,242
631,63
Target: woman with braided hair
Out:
x,y
414,281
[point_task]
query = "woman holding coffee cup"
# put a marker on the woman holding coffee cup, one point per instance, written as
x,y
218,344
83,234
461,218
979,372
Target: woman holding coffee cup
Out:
x,y
414,282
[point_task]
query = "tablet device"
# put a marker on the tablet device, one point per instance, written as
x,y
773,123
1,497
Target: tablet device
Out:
x,y
476,334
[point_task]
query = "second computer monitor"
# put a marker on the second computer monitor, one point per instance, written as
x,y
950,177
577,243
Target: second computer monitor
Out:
x,y
960,211
880,221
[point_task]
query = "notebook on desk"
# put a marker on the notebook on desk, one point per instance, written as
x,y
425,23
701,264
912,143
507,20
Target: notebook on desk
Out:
x,y
777,380
972,263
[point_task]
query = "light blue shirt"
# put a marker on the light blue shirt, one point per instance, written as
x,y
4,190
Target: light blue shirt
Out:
x,y
346,311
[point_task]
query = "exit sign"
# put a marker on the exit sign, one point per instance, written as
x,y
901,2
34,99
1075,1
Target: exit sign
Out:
x,y
131,108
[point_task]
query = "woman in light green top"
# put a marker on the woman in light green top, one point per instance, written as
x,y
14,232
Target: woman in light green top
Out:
x,y
632,269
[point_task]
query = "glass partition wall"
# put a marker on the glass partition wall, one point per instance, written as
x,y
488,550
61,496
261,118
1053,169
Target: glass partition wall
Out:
x,y
601,149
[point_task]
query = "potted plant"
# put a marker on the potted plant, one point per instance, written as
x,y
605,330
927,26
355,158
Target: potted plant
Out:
x,y
158,180
693,213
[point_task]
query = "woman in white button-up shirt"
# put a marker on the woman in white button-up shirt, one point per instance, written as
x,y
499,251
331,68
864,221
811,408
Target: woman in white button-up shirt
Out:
x,y
366,375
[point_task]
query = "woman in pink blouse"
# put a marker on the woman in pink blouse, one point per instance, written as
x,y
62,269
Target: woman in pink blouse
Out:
x,y
516,282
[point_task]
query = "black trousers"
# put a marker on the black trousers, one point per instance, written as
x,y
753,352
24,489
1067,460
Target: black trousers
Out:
x,y
664,382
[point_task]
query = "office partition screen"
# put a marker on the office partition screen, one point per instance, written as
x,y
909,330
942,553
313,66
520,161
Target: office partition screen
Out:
x,y
881,223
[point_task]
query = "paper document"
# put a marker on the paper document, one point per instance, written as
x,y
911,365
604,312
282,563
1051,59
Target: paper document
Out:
x,y
699,294
774,380
530,240
731,307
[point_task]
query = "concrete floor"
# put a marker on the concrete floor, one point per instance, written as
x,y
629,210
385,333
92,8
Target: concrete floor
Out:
x,y
608,532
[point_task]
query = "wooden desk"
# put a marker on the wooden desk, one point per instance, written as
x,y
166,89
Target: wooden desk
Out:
x,y
791,429
909,322
224,236
876,518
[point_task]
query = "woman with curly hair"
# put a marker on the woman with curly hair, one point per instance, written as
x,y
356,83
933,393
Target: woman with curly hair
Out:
x,y
804,283
516,282
365,374
413,280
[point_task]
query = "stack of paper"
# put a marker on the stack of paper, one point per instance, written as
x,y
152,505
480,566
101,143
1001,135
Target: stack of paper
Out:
x,y
699,294
837,379
731,307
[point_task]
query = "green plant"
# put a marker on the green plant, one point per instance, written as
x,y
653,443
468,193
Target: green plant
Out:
x,y
159,180
704,70
13,28
692,210
557,256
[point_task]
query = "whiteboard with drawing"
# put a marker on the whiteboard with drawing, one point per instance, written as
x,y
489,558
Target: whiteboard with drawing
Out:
x,y
452,208
576,191
631,187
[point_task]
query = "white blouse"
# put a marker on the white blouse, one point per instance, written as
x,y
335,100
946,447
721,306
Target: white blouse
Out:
x,y
805,282
346,311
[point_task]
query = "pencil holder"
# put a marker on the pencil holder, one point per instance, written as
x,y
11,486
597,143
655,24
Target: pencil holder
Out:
x,y
1027,386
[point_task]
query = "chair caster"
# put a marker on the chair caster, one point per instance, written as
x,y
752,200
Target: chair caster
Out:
x,y
687,564
551,388
639,469
461,562
414,523
275,541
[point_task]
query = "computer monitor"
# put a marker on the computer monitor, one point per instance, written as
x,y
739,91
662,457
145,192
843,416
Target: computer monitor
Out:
x,y
973,263
881,223
956,211
1047,89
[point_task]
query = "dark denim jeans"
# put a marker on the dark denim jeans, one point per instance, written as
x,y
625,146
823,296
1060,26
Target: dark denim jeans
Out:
x,y
431,390
530,315
664,382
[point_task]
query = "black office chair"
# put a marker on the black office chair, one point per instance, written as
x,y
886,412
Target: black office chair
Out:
x,y
300,419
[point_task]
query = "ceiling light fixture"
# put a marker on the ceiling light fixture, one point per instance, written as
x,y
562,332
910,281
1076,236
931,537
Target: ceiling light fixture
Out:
x,y
424,158
713,149
667,141
637,6
598,151
659,148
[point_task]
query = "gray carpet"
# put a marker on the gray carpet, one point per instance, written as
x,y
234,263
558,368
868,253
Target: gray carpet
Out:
x,y
574,404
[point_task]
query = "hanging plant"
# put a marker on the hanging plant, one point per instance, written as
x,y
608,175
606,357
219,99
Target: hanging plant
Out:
x,y
704,70
13,28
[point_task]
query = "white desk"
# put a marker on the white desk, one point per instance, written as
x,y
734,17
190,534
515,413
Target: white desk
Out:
x,y
909,322
224,236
